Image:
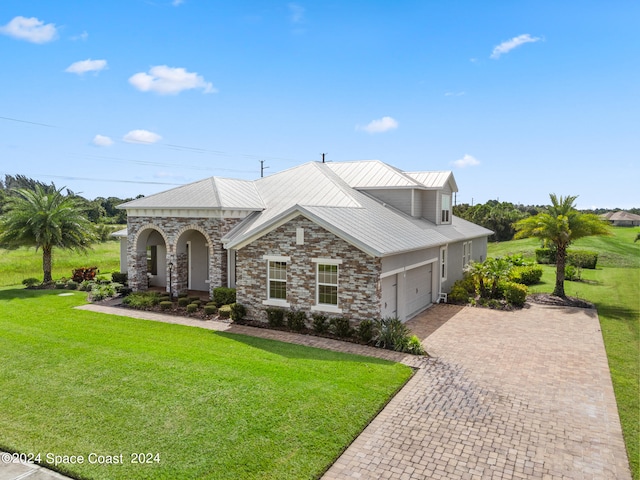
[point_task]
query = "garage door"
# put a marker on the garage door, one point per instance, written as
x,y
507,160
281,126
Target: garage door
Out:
x,y
389,307
418,289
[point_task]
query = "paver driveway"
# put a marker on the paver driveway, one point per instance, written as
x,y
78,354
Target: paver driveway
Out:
x,y
505,395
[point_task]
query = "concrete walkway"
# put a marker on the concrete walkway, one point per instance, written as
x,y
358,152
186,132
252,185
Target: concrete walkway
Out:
x,y
505,395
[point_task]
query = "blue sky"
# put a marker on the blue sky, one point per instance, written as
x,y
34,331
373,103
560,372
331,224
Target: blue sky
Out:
x,y
519,99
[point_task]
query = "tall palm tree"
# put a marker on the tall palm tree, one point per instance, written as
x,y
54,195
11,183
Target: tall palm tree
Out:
x,y
44,218
560,225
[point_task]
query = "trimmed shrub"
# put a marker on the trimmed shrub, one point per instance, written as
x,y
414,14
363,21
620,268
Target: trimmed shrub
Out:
x,y
582,259
196,302
341,327
275,317
85,286
183,295
515,293
572,273
296,320
71,285
392,334
224,311
164,298
60,285
224,296
462,290
320,323
211,304
238,312
100,292
526,275
30,282
414,346
120,277
193,299
183,302
166,305
191,308
365,331
545,255
210,309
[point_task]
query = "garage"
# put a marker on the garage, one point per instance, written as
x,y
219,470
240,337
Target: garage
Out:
x,y
417,289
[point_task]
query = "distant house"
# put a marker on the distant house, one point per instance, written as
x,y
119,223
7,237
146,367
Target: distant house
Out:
x,y
353,239
622,218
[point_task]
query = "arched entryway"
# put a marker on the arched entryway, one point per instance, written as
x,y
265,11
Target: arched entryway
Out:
x,y
193,261
151,259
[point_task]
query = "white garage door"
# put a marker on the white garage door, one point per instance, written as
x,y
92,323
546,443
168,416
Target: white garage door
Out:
x,y
418,289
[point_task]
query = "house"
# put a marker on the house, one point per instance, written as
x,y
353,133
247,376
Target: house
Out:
x,y
354,239
621,218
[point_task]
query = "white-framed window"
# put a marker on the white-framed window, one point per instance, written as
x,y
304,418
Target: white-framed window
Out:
x,y
443,263
446,208
327,284
466,253
276,280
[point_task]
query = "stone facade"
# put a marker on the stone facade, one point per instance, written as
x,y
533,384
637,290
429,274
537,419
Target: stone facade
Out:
x,y
358,285
172,229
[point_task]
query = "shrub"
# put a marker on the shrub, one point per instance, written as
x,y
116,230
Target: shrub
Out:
x,y
84,273
365,331
341,327
392,334
545,255
211,304
319,323
197,303
60,285
414,346
183,302
238,312
86,285
183,295
139,300
100,292
296,320
30,282
224,311
515,293
120,277
517,260
71,285
164,298
191,308
526,275
572,273
166,305
224,296
582,259
193,299
210,309
275,317
462,290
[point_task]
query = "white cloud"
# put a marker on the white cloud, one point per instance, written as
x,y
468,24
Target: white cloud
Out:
x,y
141,136
466,161
506,47
85,66
83,36
102,141
297,12
383,124
30,29
169,81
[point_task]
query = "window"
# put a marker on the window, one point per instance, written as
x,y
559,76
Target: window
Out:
x,y
466,253
327,284
277,280
446,209
443,263
152,260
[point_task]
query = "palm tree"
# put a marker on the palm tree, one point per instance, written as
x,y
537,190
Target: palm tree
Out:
x,y
44,218
560,225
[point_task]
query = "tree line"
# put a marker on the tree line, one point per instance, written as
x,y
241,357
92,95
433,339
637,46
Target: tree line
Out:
x,y
501,217
100,210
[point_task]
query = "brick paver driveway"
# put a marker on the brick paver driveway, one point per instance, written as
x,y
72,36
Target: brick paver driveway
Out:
x,y
505,395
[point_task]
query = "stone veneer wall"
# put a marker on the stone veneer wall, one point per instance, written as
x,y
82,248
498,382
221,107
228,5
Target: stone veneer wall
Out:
x,y
358,286
172,227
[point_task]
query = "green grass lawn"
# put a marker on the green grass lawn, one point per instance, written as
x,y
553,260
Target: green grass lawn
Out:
x,y
209,404
16,265
613,287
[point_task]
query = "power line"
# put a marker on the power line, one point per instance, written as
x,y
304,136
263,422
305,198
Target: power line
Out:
x,y
106,180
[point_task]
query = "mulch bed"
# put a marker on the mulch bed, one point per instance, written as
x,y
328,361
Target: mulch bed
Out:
x,y
548,299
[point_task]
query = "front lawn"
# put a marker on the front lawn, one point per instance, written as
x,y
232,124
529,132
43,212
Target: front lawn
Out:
x,y
210,405
613,287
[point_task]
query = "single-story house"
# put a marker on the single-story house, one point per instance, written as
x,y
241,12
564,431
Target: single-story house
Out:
x,y
621,218
355,239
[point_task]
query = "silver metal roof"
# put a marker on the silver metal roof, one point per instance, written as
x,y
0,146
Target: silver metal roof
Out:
x,y
434,180
366,174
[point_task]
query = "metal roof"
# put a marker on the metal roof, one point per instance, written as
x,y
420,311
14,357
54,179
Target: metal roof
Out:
x,y
366,174
434,180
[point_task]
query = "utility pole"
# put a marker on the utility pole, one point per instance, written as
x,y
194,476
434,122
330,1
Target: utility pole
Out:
x,y
323,154
262,168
